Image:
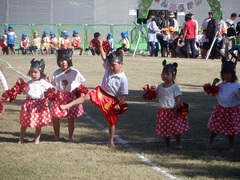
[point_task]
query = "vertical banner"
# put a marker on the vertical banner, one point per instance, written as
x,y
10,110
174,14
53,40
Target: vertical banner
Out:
x,y
144,8
215,8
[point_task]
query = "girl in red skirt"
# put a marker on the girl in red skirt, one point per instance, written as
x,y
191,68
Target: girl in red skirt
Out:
x,y
225,118
65,79
169,121
34,111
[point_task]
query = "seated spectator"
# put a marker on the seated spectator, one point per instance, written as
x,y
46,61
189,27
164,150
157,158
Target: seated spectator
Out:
x,y
3,45
36,43
45,43
76,41
24,44
53,42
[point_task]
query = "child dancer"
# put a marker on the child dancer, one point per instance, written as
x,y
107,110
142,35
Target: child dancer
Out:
x,y
225,118
66,79
172,117
110,97
35,112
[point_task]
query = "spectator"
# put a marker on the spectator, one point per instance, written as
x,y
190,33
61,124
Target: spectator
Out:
x,y
172,21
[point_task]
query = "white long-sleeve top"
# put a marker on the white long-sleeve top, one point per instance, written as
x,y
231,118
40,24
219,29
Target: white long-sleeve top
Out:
x,y
3,82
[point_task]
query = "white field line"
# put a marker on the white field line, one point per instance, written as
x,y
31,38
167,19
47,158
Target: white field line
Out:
x,y
119,139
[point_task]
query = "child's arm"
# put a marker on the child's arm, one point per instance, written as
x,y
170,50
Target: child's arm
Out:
x,y
102,53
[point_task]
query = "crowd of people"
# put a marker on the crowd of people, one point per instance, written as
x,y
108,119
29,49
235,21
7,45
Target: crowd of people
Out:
x,y
47,43
213,39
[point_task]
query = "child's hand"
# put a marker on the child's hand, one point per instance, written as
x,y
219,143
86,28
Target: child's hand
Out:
x,y
117,107
48,78
215,81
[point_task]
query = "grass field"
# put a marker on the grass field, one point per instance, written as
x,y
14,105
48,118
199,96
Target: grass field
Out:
x,y
139,153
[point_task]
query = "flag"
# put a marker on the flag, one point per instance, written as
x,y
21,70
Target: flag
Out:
x,y
144,8
215,8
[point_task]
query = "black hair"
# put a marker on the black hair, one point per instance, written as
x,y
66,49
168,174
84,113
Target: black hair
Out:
x,y
233,15
96,35
188,17
229,67
64,54
170,68
115,56
40,65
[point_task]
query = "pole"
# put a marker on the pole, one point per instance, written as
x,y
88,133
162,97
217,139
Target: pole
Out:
x,y
215,37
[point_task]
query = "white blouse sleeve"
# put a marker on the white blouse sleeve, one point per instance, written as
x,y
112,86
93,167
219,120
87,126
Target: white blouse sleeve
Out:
x,y
3,82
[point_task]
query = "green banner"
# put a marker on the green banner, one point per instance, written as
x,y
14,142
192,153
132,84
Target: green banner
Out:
x,y
144,8
215,8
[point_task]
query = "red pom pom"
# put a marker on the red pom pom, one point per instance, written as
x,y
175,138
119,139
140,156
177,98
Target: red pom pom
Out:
x,y
183,109
210,90
150,93
79,90
51,94
123,107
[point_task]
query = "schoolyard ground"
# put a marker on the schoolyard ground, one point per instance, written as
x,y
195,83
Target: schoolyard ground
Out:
x,y
139,153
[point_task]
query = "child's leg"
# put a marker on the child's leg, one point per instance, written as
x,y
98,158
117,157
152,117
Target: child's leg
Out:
x,y
56,128
22,134
178,142
212,136
37,135
71,129
231,139
81,50
79,100
167,141
111,130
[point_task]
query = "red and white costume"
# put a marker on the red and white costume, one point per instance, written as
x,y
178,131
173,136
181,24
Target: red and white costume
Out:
x,y
225,118
65,44
35,111
167,124
65,84
76,42
105,97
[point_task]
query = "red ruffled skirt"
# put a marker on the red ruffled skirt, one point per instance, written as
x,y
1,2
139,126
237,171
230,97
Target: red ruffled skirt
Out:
x,y
168,125
65,98
106,103
225,121
35,113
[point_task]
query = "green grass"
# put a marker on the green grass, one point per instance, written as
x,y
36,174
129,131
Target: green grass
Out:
x,y
90,158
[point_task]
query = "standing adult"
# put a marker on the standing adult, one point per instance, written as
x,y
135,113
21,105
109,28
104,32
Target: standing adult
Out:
x,y
161,23
212,28
172,21
189,35
151,35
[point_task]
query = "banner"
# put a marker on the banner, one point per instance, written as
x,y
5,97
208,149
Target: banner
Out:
x,y
215,8
144,8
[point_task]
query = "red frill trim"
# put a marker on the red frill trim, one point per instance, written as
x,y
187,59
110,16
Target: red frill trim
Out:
x,y
51,94
2,109
150,92
183,109
210,90
12,93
